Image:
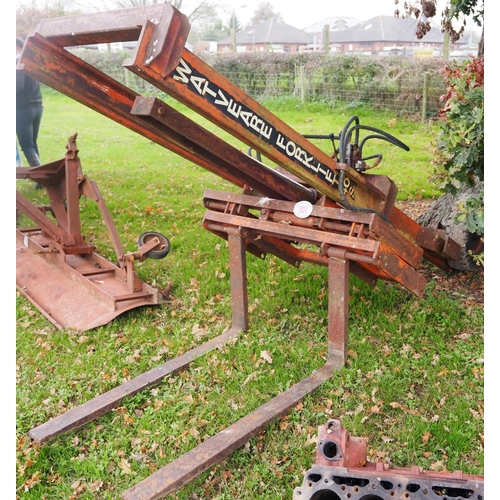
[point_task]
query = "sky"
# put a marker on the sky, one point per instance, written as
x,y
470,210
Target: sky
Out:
x,y
299,14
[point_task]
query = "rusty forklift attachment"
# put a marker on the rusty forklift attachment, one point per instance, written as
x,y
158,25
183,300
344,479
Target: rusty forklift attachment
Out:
x,y
341,472
311,199
58,271
161,59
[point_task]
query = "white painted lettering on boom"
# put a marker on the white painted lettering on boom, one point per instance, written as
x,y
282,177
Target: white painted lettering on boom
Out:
x,y
183,72
255,123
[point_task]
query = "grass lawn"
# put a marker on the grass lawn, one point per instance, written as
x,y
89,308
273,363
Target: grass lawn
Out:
x,y
412,387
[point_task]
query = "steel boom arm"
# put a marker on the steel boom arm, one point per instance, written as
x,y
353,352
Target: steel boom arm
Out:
x,y
162,60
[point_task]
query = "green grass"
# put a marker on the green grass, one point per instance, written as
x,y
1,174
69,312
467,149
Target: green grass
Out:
x,y
412,386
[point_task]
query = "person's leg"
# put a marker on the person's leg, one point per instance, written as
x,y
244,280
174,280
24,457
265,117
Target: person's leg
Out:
x,y
25,117
37,120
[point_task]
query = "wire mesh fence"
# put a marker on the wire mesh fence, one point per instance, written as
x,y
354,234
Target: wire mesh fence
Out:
x,y
405,97
403,85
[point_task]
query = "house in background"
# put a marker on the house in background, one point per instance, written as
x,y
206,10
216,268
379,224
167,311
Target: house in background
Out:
x,y
266,36
388,35
380,36
317,30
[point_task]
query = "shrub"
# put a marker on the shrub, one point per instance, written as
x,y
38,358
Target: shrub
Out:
x,y
460,144
460,154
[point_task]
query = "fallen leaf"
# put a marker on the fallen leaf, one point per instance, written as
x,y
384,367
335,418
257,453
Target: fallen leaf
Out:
x,y
252,376
425,437
188,399
76,484
95,485
437,466
266,355
311,439
125,466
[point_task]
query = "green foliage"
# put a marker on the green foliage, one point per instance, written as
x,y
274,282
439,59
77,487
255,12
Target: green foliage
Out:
x,y
468,8
473,213
233,23
460,154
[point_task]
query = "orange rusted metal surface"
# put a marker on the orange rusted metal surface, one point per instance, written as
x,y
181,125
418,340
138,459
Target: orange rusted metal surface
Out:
x,y
57,270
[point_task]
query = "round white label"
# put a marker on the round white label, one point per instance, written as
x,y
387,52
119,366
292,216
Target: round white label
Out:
x,y
302,209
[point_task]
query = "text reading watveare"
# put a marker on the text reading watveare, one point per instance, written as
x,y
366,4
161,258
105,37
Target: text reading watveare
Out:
x,y
257,125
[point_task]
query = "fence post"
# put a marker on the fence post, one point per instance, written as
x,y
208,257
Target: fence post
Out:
x,y
302,79
326,38
425,95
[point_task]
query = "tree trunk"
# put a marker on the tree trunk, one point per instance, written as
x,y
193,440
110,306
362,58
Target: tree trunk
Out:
x,y
443,214
480,49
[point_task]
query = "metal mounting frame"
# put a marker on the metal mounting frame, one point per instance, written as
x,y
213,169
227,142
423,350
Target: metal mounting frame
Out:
x,y
57,270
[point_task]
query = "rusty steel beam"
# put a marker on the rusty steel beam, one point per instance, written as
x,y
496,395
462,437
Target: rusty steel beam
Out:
x,y
383,263
341,472
100,405
201,88
232,159
122,25
59,69
190,465
214,97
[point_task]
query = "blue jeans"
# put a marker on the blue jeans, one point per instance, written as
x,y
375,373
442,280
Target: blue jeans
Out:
x,y
28,119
